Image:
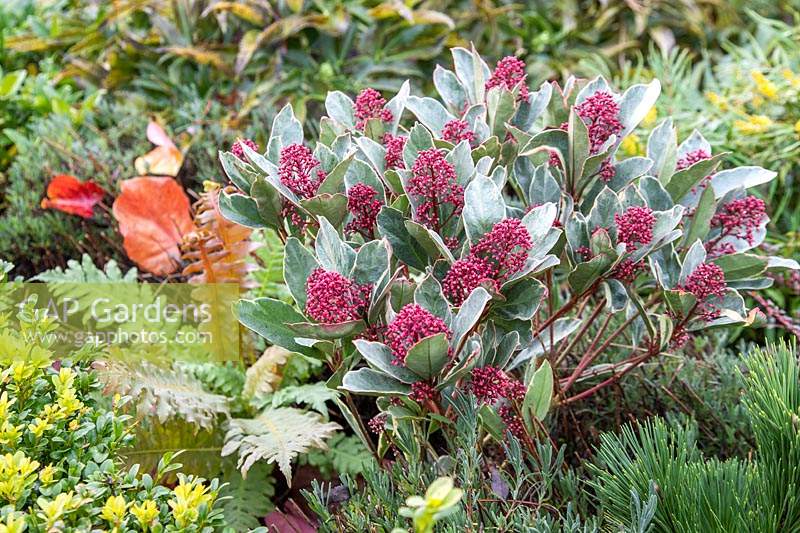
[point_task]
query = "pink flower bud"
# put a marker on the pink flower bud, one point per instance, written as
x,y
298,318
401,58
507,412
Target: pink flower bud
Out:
x,y
364,205
456,131
412,324
510,73
370,104
332,298
236,148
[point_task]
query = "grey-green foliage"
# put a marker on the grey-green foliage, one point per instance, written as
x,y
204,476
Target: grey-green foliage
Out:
x,y
699,494
507,489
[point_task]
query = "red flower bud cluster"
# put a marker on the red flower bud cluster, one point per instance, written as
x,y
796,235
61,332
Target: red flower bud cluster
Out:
x,y
370,104
741,218
299,170
707,280
364,204
634,227
499,254
377,424
434,183
506,246
512,421
236,148
466,274
456,131
394,145
332,298
301,173
422,392
510,73
691,158
600,113
412,324
489,384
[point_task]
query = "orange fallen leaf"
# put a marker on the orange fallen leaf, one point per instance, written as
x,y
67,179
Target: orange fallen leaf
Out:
x,y
70,195
163,160
153,216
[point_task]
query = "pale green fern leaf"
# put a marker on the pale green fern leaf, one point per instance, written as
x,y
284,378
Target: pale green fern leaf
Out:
x,y
314,395
277,436
165,393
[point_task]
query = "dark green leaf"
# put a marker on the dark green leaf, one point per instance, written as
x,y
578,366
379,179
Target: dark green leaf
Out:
x,y
268,318
428,357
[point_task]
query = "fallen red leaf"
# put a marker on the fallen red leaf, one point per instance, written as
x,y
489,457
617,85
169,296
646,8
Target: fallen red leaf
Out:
x,y
153,216
70,195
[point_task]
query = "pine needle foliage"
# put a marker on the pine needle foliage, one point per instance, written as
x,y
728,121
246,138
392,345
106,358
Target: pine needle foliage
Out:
x,y
698,494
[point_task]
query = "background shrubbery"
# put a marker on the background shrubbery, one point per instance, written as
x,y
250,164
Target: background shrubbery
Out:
x,y
81,80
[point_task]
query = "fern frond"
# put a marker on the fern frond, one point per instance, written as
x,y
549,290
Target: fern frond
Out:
x,y
220,378
165,393
85,271
265,374
217,252
277,436
269,276
346,454
314,395
246,500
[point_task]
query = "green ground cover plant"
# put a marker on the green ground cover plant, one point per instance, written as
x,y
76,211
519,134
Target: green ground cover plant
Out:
x,y
61,466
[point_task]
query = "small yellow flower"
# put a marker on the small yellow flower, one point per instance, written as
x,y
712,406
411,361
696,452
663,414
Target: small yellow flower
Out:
x,y
47,474
114,510
145,512
716,100
650,117
631,145
73,425
791,77
763,85
753,125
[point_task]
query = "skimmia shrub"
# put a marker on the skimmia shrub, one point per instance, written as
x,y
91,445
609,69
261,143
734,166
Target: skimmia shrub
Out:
x,y
494,240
